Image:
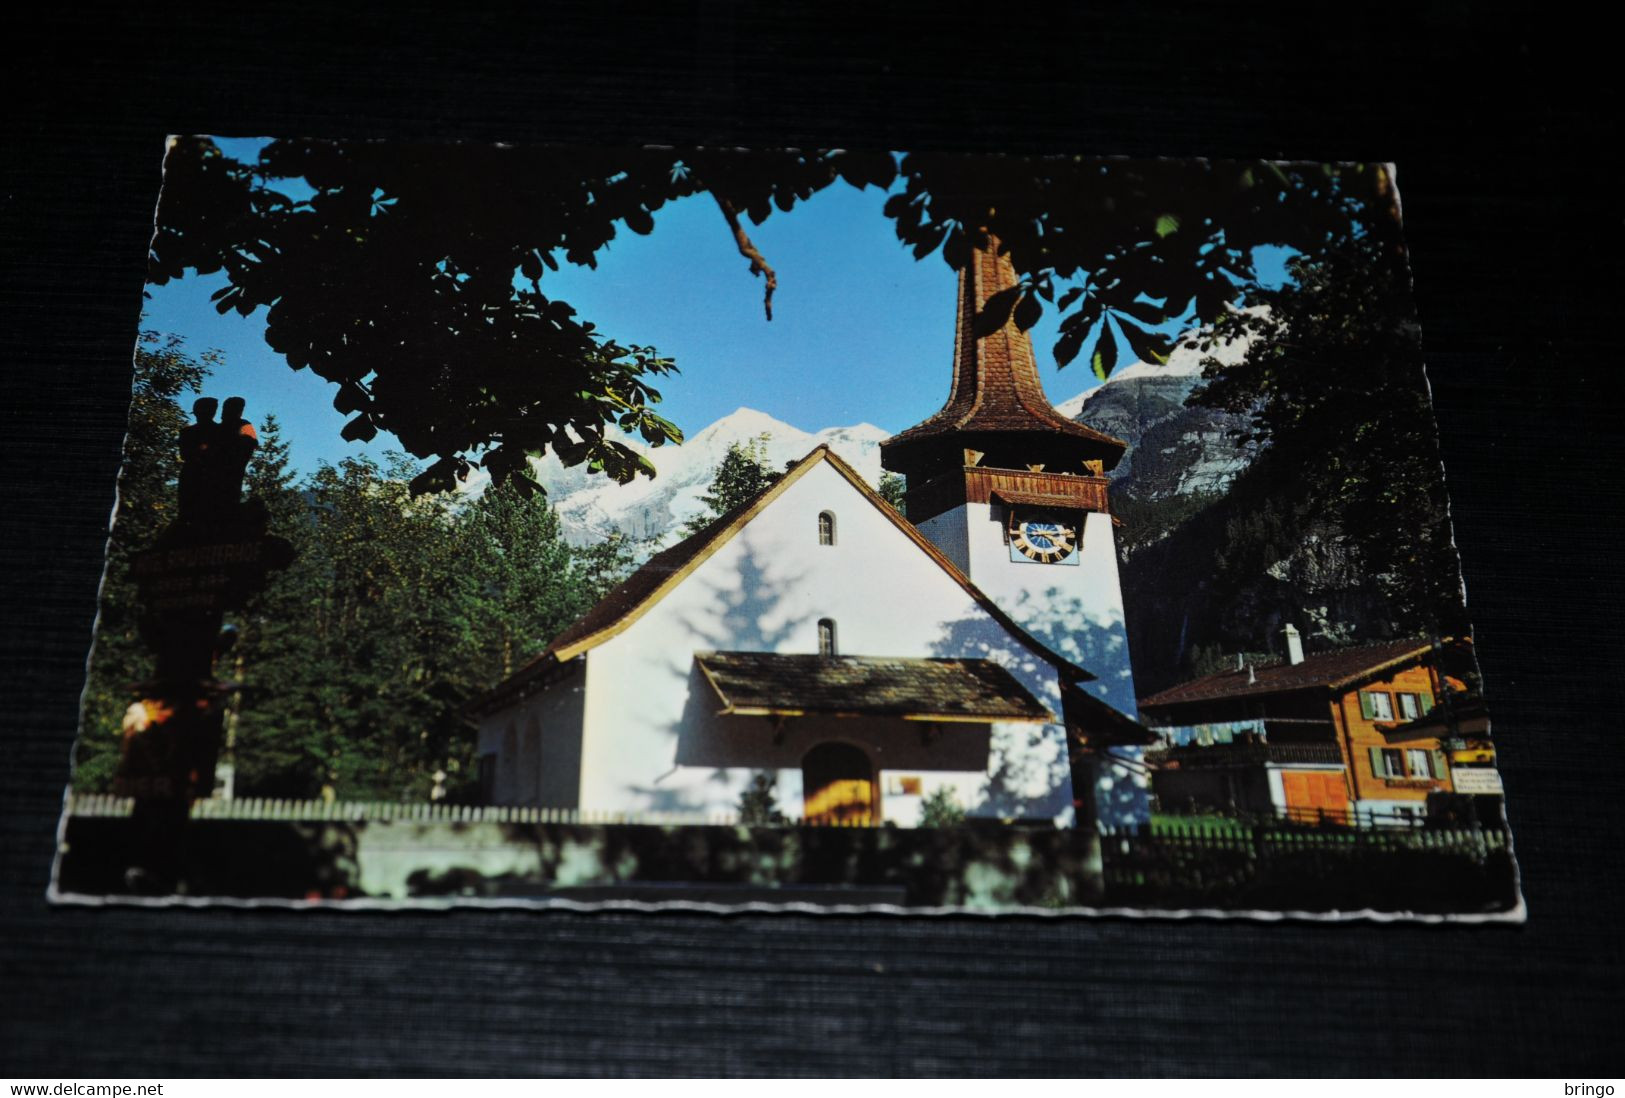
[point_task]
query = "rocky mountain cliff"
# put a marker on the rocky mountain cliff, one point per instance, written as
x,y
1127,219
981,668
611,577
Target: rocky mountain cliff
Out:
x,y
1213,561
1173,450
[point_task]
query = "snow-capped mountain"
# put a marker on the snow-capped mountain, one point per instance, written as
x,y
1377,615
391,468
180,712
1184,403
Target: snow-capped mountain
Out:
x,y
1172,450
592,507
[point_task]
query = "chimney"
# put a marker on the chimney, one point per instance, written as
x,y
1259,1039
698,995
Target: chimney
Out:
x,y
1294,645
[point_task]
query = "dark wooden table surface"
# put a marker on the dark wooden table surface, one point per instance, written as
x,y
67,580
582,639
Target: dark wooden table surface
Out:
x,y
1502,135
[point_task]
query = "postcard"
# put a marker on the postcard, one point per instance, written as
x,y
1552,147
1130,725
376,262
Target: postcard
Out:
x,y
822,530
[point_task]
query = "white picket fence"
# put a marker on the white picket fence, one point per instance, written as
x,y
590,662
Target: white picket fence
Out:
x,y
263,808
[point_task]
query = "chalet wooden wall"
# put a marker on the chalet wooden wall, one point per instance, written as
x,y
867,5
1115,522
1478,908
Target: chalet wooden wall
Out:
x,y
1516,239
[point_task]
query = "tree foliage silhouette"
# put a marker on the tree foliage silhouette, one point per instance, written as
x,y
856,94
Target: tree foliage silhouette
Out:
x,y
892,489
412,276
1334,387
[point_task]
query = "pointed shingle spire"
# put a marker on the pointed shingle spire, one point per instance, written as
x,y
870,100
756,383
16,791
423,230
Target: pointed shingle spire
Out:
x,y
997,404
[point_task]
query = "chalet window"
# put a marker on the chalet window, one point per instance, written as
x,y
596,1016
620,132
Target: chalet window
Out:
x,y
1376,705
1410,706
826,637
1388,762
1420,762
826,528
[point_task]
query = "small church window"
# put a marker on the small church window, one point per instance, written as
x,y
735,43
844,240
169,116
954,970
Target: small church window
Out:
x,y
826,528
826,637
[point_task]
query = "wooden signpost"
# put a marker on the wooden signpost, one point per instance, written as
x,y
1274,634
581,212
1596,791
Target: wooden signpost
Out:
x,y
214,558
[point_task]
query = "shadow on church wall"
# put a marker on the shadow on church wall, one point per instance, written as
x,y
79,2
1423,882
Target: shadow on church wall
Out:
x,y
748,602
1122,787
1031,777
1098,643
746,608
1028,774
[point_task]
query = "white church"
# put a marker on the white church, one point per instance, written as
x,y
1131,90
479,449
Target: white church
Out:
x,y
862,660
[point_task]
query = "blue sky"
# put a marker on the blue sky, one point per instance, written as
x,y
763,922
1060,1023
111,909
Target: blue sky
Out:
x,y
861,331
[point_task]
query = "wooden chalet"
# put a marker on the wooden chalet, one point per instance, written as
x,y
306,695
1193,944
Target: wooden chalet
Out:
x,y
1339,736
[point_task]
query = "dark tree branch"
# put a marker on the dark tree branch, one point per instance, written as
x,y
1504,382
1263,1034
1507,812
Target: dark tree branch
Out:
x,y
758,265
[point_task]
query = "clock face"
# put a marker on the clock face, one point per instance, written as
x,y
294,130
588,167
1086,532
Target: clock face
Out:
x,y
1044,539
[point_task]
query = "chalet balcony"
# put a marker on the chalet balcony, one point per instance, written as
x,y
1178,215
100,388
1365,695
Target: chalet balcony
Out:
x,y
1196,756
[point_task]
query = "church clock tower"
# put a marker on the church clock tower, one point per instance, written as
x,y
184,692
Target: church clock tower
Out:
x,y
1015,494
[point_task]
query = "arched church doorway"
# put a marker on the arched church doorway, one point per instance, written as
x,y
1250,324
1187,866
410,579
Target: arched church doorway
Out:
x,y
839,784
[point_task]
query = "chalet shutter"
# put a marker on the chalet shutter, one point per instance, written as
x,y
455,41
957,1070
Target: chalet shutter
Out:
x,y
1377,766
1366,709
1441,769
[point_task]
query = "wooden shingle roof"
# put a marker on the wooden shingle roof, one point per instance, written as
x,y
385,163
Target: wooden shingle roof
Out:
x,y
778,684
996,389
1340,667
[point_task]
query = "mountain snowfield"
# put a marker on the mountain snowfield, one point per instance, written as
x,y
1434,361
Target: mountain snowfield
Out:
x,y
1139,371
591,508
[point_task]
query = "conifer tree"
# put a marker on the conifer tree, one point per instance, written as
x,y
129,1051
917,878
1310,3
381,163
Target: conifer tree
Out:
x,y
1333,382
759,803
743,473
892,488
272,737
357,662
529,583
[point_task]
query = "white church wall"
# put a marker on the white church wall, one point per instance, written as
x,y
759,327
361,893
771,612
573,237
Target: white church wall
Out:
x,y
1077,611
1122,787
766,590
904,809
